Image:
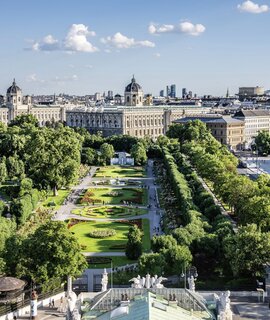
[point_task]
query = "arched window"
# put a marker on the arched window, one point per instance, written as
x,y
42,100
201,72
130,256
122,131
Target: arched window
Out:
x,y
127,98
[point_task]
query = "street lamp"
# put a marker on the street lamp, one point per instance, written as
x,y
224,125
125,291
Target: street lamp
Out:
x,y
190,272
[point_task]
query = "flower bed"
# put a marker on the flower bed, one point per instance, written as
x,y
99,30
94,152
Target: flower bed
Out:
x,y
102,233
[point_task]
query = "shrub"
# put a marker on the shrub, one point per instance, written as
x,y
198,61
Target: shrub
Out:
x,y
103,233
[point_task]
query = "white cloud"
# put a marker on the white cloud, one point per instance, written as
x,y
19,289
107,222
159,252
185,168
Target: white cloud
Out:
x,y
185,27
120,41
192,29
157,55
48,43
58,79
33,78
251,7
76,40
160,29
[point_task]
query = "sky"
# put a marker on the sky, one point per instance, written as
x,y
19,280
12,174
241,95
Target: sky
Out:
x,y
87,46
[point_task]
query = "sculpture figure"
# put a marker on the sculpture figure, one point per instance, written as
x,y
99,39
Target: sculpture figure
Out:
x,y
147,281
225,312
104,280
158,283
191,283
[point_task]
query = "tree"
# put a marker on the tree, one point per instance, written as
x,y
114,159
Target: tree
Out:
x,y
3,170
106,152
7,229
53,157
138,152
163,242
152,263
26,186
24,121
262,142
89,156
248,251
122,142
134,243
50,252
15,167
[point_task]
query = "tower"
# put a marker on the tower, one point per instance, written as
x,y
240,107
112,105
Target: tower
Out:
x,y
14,95
133,94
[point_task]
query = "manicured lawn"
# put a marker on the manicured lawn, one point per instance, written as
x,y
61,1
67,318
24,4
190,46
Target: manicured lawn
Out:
x,y
115,243
109,212
81,231
115,196
57,200
120,172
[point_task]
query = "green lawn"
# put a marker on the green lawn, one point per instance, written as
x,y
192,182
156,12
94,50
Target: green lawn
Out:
x,y
110,244
120,172
117,196
109,212
57,200
82,229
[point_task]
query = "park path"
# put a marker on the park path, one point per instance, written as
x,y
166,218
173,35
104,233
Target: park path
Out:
x,y
148,182
219,204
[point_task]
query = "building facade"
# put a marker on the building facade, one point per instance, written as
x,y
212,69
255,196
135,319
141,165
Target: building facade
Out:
x,y
17,104
250,92
225,129
255,121
132,119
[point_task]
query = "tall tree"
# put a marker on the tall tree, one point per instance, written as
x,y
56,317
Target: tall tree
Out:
x,y
138,152
134,244
106,152
53,157
262,142
50,252
248,250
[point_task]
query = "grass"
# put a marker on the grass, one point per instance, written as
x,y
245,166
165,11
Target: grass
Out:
x,y
81,230
57,200
120,172
109,212
135,195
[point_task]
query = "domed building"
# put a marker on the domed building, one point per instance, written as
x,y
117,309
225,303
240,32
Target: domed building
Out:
x,y
14,94
133,94
16,104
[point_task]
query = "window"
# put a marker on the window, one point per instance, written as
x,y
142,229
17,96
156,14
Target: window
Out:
x,y
127,98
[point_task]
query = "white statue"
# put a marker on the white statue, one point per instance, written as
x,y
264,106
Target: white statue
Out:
x,y
191,283
225,312
158,283
104,280
147,281
136,282
142,282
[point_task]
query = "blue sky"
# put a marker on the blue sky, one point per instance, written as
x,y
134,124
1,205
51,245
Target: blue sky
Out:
x,y
87,46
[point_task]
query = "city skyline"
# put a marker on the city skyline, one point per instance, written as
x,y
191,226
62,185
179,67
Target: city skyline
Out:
x,y
83,48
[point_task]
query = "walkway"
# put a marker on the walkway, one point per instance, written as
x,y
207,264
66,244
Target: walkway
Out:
x,y
218,203
153,215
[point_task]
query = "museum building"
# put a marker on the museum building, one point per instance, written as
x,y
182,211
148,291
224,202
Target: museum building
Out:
x,y
133,118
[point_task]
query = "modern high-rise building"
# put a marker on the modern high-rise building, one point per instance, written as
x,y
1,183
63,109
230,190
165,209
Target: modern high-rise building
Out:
x,y
168,91
184,93
173,91
110,94
161,93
